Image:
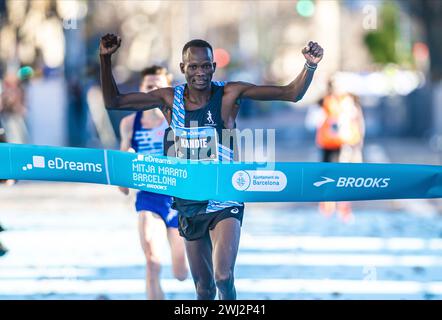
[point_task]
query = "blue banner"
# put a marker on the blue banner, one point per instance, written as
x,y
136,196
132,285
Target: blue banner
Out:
x,y
197,180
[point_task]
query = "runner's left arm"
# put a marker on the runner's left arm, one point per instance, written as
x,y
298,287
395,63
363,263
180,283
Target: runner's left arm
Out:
x,y
294,91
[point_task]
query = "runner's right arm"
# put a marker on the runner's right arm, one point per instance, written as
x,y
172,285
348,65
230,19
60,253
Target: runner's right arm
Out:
x,y
113,99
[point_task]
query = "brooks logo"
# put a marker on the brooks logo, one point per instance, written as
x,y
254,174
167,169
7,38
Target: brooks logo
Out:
x,y
320,183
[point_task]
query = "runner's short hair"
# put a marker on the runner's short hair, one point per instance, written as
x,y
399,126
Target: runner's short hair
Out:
x,y
156,70
197,43
153,71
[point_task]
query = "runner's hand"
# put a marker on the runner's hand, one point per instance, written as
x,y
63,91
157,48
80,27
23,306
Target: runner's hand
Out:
x,y
109,43
313,53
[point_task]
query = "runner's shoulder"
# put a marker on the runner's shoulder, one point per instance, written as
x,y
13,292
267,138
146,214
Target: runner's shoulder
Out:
x,y
236,87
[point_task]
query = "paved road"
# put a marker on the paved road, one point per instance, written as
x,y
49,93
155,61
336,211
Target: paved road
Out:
x,y
78,241
75,241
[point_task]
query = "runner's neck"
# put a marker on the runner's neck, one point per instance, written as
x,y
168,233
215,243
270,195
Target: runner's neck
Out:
x,y
195,99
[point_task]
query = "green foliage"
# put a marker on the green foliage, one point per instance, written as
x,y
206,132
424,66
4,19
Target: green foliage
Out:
x,y
381,43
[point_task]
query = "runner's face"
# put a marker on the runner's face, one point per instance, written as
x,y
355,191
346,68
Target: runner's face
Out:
x,y
198,67
152,82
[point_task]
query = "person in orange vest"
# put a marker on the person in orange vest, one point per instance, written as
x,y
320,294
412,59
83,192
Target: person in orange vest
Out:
x,y
340,138
328,137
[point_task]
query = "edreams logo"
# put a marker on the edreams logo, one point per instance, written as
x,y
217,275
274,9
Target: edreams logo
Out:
x,y
37,162
259,180
353,182
61,164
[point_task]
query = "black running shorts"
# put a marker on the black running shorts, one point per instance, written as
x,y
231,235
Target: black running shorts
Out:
x,y
196,227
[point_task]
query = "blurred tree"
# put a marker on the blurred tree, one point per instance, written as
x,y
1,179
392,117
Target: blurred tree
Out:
x,y
381,43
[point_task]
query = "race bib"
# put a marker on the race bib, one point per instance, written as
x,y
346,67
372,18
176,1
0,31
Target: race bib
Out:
x,y
200,143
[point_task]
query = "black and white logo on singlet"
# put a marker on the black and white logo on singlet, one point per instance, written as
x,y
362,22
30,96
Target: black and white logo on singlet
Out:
x,y
210,121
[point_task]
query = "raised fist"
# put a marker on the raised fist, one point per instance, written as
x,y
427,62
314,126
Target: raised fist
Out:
x,y
109,44
313,52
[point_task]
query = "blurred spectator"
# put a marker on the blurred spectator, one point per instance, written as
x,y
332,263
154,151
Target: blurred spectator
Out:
x,y
328,134
2,132
340,136
2,139
12,109
352,130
